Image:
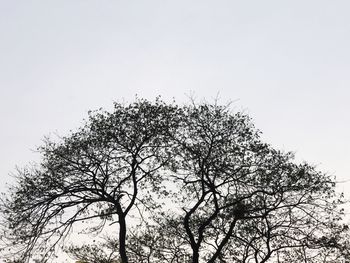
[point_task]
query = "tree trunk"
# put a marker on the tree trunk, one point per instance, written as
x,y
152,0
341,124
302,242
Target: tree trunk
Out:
x,y
195,256
122,239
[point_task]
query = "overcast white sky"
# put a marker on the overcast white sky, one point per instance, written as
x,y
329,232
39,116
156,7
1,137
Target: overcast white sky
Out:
x,y
285,62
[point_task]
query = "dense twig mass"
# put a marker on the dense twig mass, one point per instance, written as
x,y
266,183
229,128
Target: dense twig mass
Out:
x,y
229,196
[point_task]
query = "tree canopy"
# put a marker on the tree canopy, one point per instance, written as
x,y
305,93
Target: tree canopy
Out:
x,y
191,183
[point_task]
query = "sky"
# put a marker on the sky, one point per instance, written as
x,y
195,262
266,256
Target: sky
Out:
x,y
286,63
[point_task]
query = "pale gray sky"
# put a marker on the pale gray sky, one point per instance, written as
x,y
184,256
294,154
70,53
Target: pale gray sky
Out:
x,y
285,62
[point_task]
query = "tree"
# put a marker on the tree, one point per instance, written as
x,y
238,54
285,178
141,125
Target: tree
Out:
x,y
230,197
244,200
95,172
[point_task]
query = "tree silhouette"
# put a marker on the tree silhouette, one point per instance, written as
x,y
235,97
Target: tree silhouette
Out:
x,y
230,197
96,172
